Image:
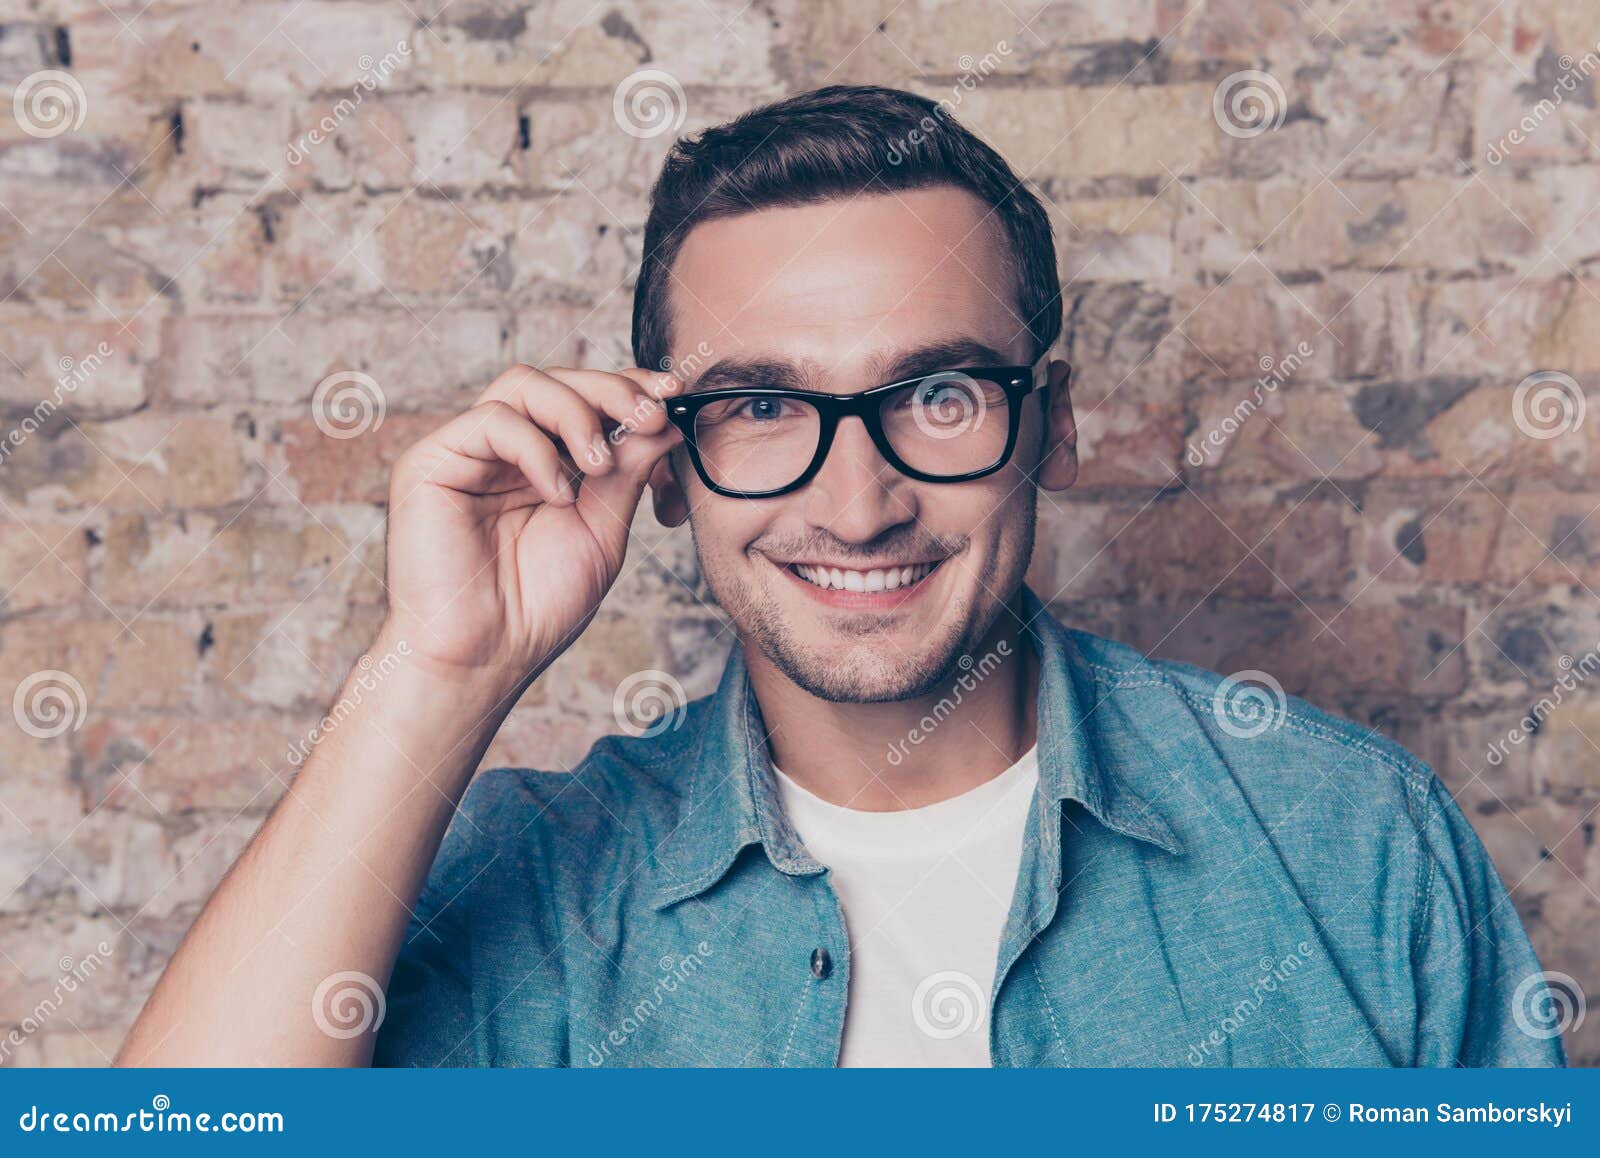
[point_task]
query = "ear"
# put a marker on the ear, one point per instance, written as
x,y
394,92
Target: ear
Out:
x,y
1058,469
666,492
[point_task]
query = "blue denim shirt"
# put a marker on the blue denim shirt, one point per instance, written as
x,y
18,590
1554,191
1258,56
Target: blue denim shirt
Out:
x,y
1192,892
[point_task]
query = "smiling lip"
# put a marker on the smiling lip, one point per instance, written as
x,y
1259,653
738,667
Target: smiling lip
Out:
x,y
862,588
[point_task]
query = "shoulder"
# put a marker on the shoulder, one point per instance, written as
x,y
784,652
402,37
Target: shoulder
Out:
x,y
557,828
1242,733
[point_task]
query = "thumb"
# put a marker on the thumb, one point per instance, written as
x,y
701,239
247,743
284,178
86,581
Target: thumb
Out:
x,y
607,502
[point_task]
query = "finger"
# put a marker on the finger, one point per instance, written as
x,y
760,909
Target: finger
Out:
x,y
659,384
614,497
478,443
623,401
559,410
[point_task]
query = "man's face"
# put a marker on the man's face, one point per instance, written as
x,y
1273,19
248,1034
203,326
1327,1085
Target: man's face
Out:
x,y
843,296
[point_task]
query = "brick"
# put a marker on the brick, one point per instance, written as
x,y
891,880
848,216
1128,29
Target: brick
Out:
x,y
324,469
42,564
149,461
570,44
290,658
83,368
1096,131
278,359
151,663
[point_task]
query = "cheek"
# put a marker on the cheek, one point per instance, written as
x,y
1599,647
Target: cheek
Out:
x,y
723,528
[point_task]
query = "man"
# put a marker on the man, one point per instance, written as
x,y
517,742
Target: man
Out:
x,y
919,822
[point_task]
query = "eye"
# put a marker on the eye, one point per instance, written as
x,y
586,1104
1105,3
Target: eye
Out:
x,y
761,409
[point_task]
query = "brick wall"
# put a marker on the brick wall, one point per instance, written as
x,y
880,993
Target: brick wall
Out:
x,y
1303,304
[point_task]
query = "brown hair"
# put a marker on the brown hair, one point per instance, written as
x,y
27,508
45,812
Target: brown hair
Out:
x,y
829,143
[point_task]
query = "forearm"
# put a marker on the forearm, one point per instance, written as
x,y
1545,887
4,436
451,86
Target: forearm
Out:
x,y
328,884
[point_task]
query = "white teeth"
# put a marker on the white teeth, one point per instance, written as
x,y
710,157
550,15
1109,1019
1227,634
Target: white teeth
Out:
x,y
878,579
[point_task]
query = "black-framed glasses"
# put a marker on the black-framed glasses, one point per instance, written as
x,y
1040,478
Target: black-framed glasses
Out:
x,y
761,442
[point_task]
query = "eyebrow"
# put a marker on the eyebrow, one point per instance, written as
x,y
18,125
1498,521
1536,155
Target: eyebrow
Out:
x,y
777,373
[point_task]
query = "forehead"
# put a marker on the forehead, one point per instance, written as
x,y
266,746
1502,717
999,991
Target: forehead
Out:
x,y
838,284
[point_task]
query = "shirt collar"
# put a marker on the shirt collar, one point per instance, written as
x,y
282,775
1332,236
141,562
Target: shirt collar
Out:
x,y
732,800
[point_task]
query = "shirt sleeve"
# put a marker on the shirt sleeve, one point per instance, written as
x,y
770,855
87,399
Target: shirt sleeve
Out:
x,y
429,1018
1482,996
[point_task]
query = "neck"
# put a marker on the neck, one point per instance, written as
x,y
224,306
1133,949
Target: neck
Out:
x,y
884,757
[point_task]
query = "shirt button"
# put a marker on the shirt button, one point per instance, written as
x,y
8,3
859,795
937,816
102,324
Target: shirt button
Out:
x,y
821,964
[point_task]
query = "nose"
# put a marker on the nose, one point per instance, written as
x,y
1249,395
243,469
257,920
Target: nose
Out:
x,y
857,495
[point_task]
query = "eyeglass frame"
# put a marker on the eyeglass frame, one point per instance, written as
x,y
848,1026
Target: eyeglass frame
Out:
x,y
1017,382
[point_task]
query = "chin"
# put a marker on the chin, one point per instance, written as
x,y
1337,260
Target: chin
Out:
x,y
874,670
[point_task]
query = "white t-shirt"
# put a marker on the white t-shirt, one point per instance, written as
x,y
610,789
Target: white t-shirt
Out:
x,y
925,893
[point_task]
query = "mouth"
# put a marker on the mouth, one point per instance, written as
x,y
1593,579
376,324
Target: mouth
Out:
x,y
880,589
870,581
